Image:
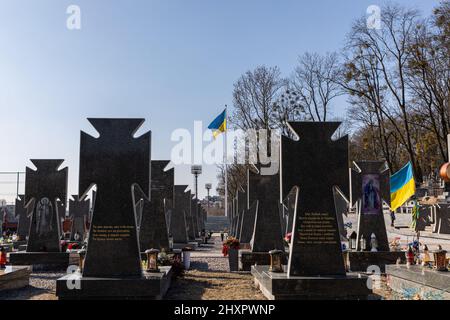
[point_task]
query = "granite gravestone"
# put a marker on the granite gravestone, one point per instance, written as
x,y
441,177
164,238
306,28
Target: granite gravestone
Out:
x,y
240,207
195,219
23,225
341,204
178,222
314,164
248,223
43,189
116,162
168,209
370,187
267,229
78,212
442,219
423,220
153,231
286,210
189,217
242,203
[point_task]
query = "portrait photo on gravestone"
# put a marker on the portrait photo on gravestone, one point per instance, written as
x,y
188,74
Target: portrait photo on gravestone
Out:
x,y
220,159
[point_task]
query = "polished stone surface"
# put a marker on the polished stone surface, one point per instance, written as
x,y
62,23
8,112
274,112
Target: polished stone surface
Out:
x,y
44,261
153,230
116,162
315,164
78,213
265,189
248,223
149,286
23,224
371,186
178,228
364,261
45,186
278,286
427,282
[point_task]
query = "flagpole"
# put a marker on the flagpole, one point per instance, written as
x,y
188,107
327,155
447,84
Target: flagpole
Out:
x,y
226,158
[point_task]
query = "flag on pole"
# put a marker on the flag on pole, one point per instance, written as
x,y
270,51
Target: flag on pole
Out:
x,y
402,186
219,124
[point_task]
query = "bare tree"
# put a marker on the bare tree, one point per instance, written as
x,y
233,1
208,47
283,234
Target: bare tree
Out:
x,y
315,80
254,96
387,52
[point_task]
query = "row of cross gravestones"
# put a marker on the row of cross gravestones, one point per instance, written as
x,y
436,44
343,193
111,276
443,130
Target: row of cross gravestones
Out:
x,y
308,198
132,192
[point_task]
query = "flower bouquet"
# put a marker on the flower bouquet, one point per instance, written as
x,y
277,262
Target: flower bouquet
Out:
x,y
230,243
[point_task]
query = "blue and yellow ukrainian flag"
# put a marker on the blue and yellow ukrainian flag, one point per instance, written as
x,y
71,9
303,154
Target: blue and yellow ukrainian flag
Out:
x,y
402,186
219,124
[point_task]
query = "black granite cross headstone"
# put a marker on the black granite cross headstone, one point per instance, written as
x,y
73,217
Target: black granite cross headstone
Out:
x,y
23,224
267,230
116,162
153,231
78,212
44,188
178,221
370,187
189,217
314,164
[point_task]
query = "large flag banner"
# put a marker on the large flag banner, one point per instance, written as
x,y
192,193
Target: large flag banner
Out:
x,y
219,124
402,186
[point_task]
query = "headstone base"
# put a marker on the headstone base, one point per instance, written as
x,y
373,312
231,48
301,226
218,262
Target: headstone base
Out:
x,y
17,244
359,261
44,261
9,247
277,286
249,259
14,277
193,245
152,286
427,283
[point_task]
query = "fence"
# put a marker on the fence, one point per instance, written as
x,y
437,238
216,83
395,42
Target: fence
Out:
x,y
11,185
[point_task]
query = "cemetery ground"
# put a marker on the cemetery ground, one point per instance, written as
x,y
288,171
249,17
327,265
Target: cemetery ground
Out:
x,y
209,277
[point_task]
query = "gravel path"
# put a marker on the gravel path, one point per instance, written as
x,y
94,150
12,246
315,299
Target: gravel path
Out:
x,y
209,279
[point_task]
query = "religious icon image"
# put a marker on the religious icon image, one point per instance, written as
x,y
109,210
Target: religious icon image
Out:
x,y
371,201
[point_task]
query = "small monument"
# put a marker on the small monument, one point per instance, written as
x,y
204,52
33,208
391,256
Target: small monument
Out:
x,y
45,188
153,230
267,234
23,225
313,165
370,188
178,222
117,163
78,213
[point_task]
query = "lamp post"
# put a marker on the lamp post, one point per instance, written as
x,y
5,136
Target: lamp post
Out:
x,y
196,170
208,187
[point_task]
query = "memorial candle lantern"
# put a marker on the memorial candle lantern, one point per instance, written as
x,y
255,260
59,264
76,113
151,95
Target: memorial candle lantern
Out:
x,y
276,257
362,243
440,259
152,260
177,255
353,240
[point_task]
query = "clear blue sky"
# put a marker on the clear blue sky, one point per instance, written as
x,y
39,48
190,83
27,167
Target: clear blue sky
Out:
x,y
169,61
